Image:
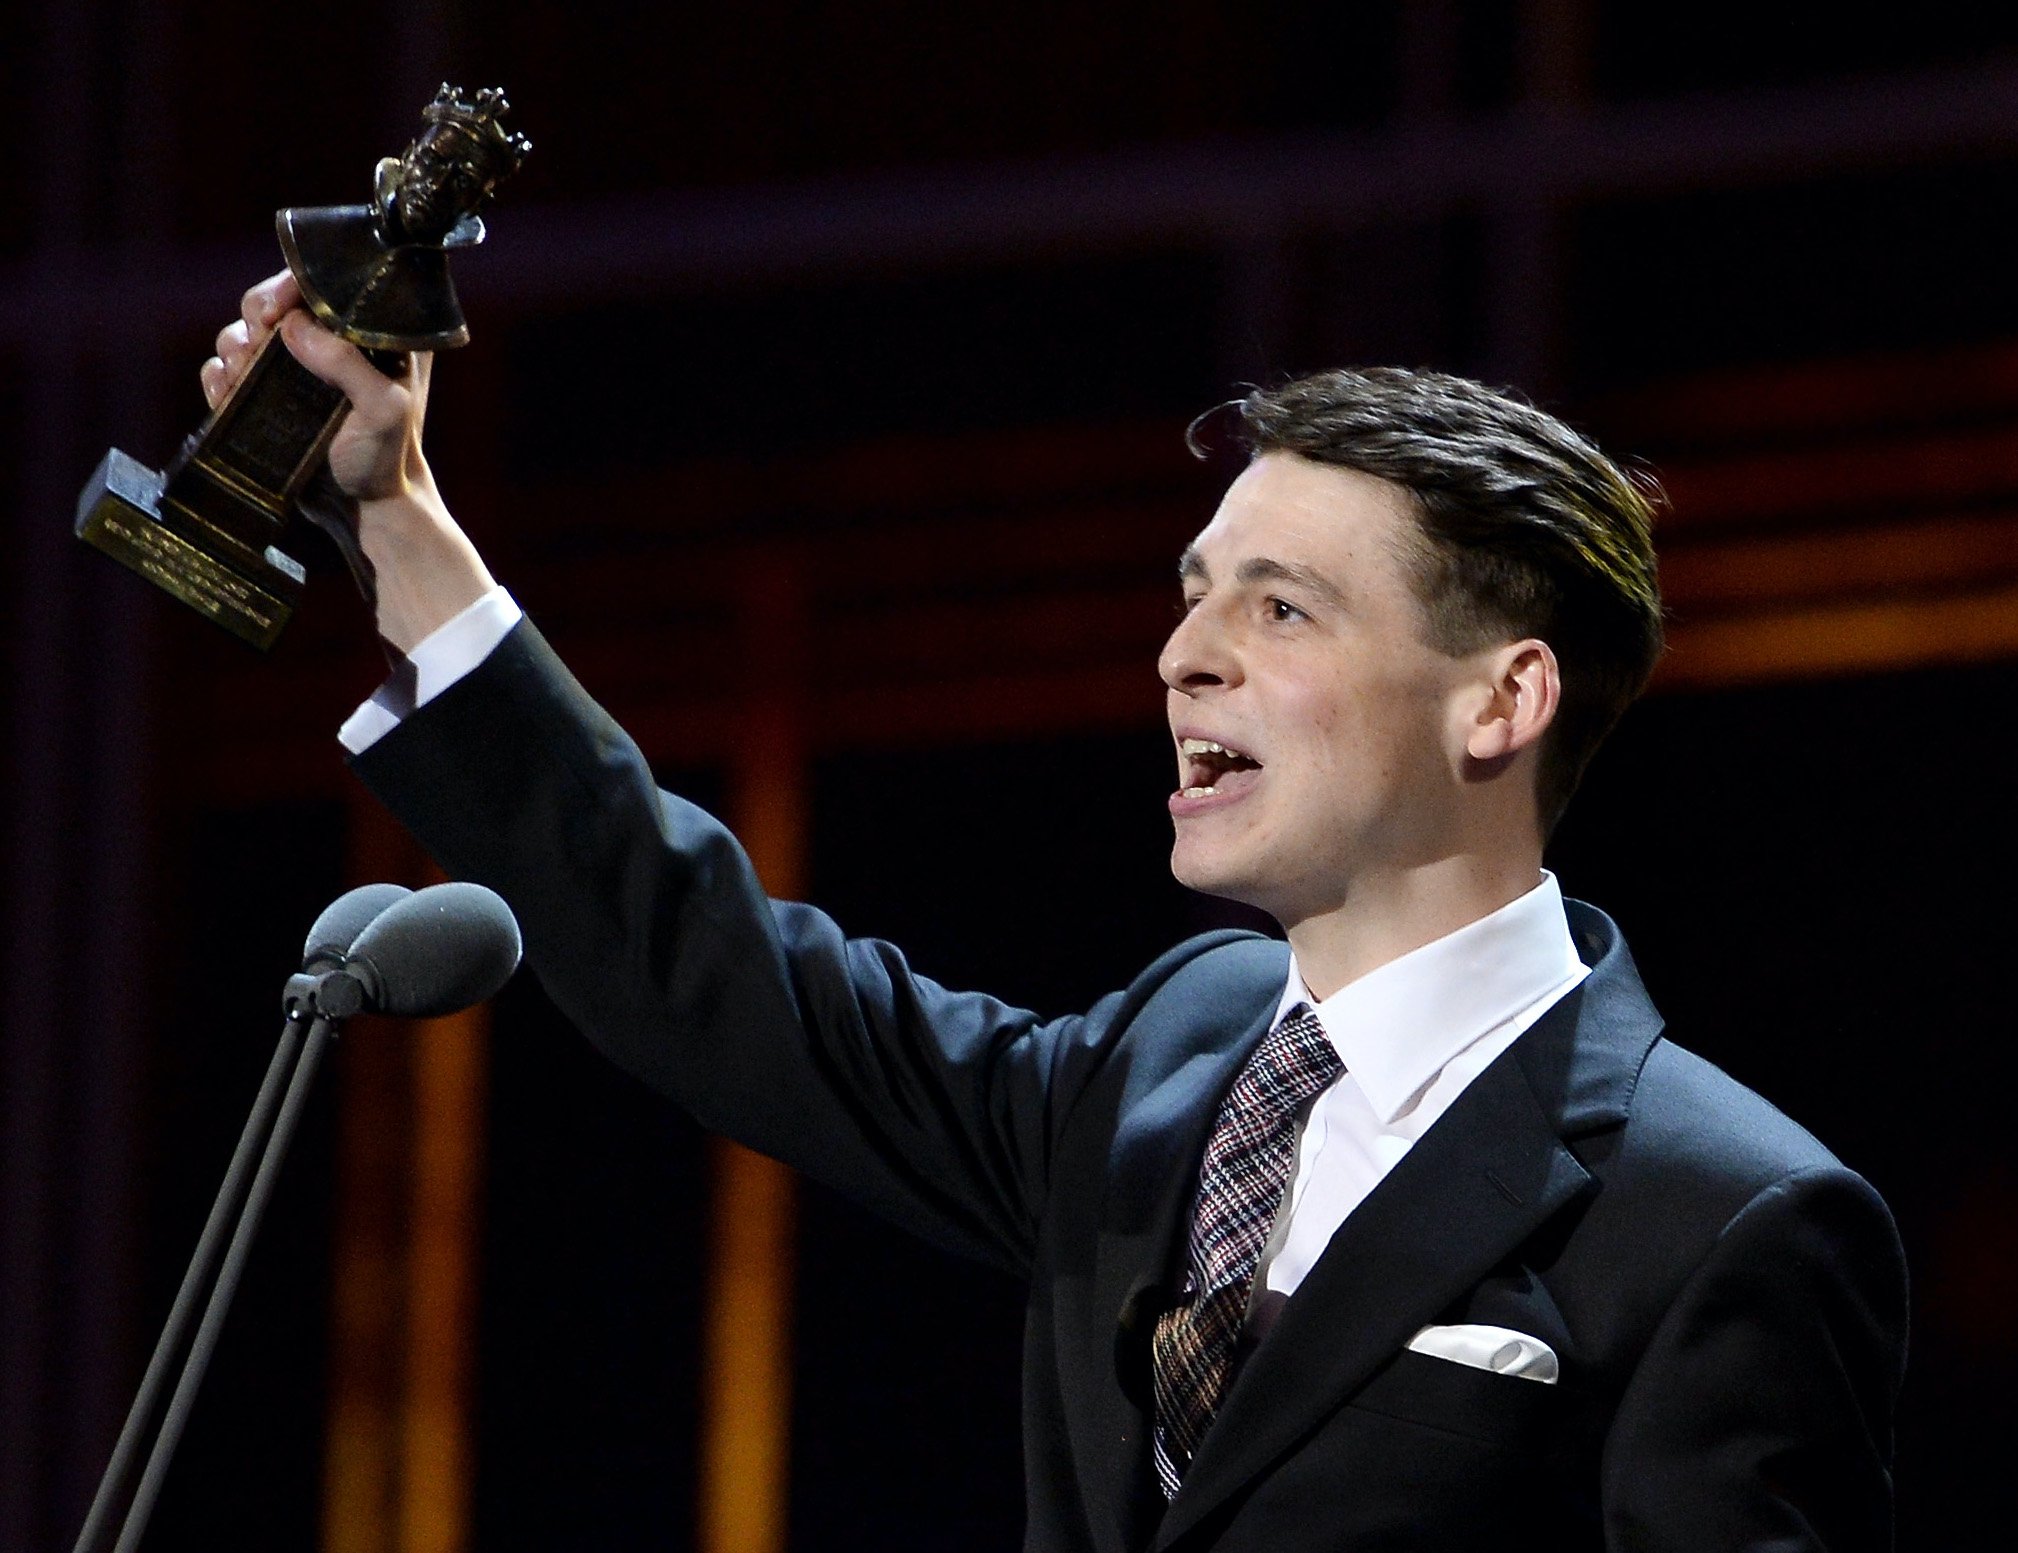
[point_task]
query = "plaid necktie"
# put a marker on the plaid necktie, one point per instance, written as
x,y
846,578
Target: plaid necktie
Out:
x,y
1240,1184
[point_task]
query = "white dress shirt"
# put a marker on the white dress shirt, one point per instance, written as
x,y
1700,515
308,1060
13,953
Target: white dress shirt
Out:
x,y
1412,1035
442,657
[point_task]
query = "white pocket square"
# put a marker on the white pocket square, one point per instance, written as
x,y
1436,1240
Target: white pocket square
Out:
x,y
1499,1349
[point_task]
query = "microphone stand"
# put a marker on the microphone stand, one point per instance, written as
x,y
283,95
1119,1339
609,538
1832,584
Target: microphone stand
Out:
x,y
316,1007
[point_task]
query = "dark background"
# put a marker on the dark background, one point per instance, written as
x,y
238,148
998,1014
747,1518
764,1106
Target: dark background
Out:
x,y
756,245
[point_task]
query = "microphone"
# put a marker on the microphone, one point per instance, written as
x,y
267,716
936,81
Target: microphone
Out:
x,y
329,940
415,953
433,951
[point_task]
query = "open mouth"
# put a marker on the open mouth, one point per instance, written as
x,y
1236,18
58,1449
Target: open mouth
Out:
x,y
1206,763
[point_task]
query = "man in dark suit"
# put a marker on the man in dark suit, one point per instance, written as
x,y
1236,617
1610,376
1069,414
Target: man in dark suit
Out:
x,y
1413,1233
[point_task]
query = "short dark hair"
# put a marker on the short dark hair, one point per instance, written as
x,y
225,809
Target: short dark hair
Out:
x,y
1527,530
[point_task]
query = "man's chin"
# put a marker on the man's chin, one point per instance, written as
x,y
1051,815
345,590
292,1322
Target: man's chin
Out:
x,y
1216,876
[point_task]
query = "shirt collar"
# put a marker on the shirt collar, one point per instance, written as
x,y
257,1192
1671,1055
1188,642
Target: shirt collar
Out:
x,y
1397,1026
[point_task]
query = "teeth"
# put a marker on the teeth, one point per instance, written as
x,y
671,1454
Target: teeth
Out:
x,y
1201,792
1208,747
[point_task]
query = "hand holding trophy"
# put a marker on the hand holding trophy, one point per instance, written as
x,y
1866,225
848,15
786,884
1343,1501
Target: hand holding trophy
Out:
x,y
206,528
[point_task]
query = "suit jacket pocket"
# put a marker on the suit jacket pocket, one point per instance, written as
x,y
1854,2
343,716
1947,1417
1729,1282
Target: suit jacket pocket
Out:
x,y
1503,1410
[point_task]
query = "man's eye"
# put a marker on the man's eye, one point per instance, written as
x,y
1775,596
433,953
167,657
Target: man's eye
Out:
x,y
1189,602
1282,609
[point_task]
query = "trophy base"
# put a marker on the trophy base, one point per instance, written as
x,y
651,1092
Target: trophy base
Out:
x,y
122,513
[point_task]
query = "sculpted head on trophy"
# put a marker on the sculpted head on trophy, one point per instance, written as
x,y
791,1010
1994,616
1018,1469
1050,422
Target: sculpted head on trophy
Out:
x,y
444,176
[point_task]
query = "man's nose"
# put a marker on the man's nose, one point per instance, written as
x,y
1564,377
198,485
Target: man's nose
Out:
x,y
1198,655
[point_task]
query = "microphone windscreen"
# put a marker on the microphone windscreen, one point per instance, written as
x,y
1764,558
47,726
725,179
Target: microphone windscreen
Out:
x,y
439,950
342,920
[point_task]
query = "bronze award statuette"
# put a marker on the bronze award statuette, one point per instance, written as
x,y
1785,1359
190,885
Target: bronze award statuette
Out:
x,y
206,528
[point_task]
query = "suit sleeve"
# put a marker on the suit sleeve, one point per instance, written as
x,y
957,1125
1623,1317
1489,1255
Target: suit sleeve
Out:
x,y
646,924
1760,1414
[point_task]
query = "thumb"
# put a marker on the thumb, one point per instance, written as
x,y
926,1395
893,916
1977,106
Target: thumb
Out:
x,y
341,365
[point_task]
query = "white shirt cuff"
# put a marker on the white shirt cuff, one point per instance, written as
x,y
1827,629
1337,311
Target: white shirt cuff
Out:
x,y
437,661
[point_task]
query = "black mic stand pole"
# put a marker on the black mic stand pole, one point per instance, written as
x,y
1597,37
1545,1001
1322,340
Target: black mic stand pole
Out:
x,y
316,1008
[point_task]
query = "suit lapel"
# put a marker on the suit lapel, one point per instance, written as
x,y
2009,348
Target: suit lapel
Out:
x,y
1477,1185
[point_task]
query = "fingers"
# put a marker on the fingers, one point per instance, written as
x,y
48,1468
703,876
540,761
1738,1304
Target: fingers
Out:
x,y
383,401
376,451
258,311
216,379
267,303
419,373
379,400
235,348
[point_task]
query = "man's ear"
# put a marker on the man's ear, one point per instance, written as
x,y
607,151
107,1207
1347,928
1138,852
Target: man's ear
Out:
x,y
1524,689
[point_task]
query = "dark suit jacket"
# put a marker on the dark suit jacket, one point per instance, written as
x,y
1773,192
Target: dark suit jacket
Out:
x,y
1726,1300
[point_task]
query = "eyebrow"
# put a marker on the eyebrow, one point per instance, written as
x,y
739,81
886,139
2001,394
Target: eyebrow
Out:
x,y
1191,568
